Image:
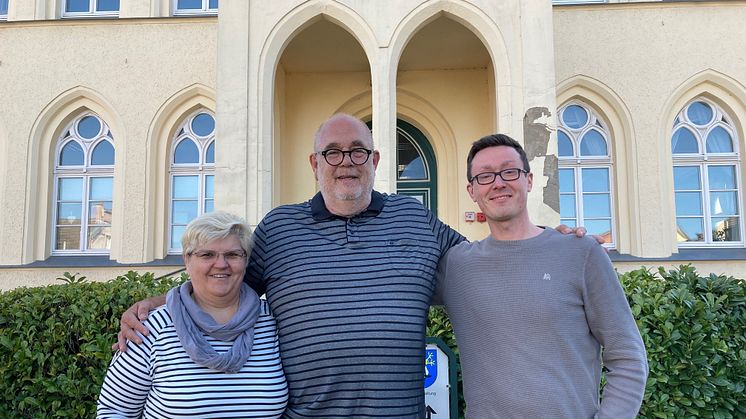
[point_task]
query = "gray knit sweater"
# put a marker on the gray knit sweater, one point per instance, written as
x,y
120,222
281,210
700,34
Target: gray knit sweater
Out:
x,y
531,317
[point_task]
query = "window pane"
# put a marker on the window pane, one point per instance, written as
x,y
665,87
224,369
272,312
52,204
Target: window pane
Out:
x,y
182,212
203,124
567,180
722,177
101,188
89,127
77,6
564,146
209,187
185,187
99,238
210,157
593,144
71,154
596,180
103,154
726,229
67,238
723,203
684,142
186,152
575,116
107,5
69,213
719,141
570,222
209,205
699,113
689,230
70,189
99,213
189,4
686,178
567,205
213,4
599,228
4,7
596,205
409,160
176,233
688,203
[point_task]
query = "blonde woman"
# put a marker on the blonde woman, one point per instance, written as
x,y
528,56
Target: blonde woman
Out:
x,y
212,350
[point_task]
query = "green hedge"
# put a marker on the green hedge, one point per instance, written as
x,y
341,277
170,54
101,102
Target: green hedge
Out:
x,y
55,342
694,329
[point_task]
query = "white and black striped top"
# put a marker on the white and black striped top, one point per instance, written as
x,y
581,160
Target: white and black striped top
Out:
x,y
158,379
351,297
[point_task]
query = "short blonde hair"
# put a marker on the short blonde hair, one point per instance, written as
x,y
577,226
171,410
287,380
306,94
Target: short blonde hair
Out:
x,y
213,226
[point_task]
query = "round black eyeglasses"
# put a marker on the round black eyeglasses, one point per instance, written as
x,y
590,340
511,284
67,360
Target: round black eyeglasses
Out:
x,y
335,156
508,175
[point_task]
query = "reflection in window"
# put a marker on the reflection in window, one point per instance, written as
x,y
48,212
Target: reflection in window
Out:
x,y
192,174
585,171
188,7
90,8
84,174
3,9
705,175
410,162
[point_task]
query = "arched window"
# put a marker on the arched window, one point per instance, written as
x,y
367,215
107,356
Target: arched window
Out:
x,y
192,173
84,174
706,177
585,175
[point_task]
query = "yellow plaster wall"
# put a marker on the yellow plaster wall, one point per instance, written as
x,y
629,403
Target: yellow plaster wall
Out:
x,y
130,67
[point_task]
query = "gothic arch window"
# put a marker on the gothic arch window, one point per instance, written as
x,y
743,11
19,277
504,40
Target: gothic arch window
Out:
x,y
706,173
83,186
585,171
192,173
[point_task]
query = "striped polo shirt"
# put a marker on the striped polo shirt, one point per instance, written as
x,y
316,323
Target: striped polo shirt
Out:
x,y
351,298
158,379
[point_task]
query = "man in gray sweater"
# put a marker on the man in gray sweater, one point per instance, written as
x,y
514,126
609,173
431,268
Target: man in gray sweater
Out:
x,y
536,313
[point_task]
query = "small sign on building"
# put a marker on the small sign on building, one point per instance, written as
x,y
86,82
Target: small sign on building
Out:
x,y
441,399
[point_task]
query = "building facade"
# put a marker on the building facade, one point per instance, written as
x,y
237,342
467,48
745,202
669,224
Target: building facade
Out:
x,y
121,121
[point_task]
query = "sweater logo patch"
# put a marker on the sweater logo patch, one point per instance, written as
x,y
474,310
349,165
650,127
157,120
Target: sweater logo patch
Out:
x,y
547,277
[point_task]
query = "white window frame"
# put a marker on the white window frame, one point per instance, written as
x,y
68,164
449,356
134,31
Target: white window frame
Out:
x,y
205,10
703,160
577,162
91,13
202,169
86,172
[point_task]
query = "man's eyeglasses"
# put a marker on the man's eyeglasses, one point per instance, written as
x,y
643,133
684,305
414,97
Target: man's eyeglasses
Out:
x,y
335,156
208,256
487,178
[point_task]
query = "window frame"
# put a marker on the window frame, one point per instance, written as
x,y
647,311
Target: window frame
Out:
x,y
703,160
202,169
205,10
86,172
578,162
91,13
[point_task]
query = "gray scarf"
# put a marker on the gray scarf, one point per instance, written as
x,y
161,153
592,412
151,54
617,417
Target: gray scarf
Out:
x,y
191,321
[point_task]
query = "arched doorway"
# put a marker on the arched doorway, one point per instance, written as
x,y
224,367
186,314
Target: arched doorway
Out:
x,y
416,169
